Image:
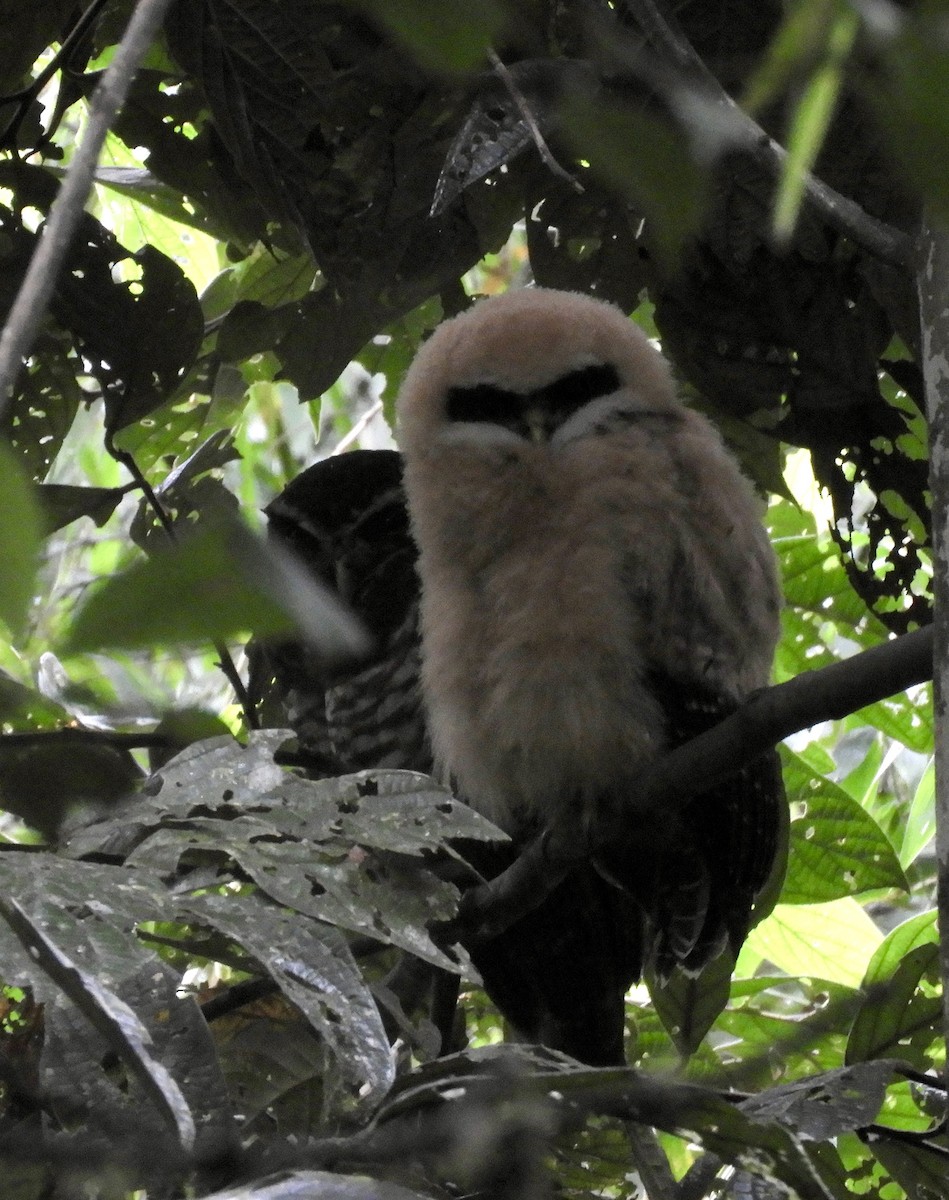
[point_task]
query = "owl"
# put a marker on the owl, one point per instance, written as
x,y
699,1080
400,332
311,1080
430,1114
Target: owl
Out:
x,y
345,520
596,586
566,576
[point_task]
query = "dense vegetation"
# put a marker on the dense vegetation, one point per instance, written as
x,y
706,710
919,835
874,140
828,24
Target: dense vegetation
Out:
x,y
292,195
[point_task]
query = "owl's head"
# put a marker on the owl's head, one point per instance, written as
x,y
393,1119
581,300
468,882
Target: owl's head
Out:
x,y
535,366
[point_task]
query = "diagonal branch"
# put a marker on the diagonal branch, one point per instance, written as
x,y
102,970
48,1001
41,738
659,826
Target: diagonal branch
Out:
x,y
773,714
765,719
883,241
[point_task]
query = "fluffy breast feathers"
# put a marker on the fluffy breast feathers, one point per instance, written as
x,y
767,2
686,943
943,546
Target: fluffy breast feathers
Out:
x,y
600,536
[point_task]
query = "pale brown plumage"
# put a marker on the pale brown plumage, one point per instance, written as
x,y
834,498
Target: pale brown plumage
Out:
x,y
596,586
556,576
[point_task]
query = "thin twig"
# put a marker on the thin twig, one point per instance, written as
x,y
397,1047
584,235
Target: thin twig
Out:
x,y
530,121
358,428
225,660
67,209
74,735
35,86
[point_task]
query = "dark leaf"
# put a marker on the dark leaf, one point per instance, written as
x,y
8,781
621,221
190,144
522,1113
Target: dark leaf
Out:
x,y
443,34
311,964
910,96
919,1169
585,243
191,494
828,1104
179,1039
688,1005
302,1185
346,851
43,780
64,503
110,1016
89,909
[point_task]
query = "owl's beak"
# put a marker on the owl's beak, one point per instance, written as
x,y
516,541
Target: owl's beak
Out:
x,y
536,421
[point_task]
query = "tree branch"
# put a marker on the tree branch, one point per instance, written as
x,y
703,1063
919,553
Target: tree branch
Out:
x,y
883,241
932,281
74,735
527,116
773,714
765,719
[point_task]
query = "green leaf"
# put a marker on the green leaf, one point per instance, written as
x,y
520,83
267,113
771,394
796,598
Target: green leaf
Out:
x,y
920,930
904,1108
688,1005
813,579
920,827
907,717
766,1027
837,849
647,160
909,91
20,534
832,941
897,1017
141,186
442,34
168,432
223,582
800,38
273,279
811,120
23,709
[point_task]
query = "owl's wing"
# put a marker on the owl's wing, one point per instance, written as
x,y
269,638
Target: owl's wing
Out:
x,y
699,887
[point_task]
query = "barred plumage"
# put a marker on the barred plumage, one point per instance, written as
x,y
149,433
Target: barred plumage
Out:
x,y
345,519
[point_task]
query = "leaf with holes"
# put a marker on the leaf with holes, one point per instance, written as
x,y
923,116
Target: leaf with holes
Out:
x,y
901,1014
837,849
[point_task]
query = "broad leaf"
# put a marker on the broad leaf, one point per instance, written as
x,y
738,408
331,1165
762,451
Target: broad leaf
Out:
x,y
232,583
837,849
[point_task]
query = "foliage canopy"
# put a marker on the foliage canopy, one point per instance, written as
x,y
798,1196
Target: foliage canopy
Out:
x,y
292,196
